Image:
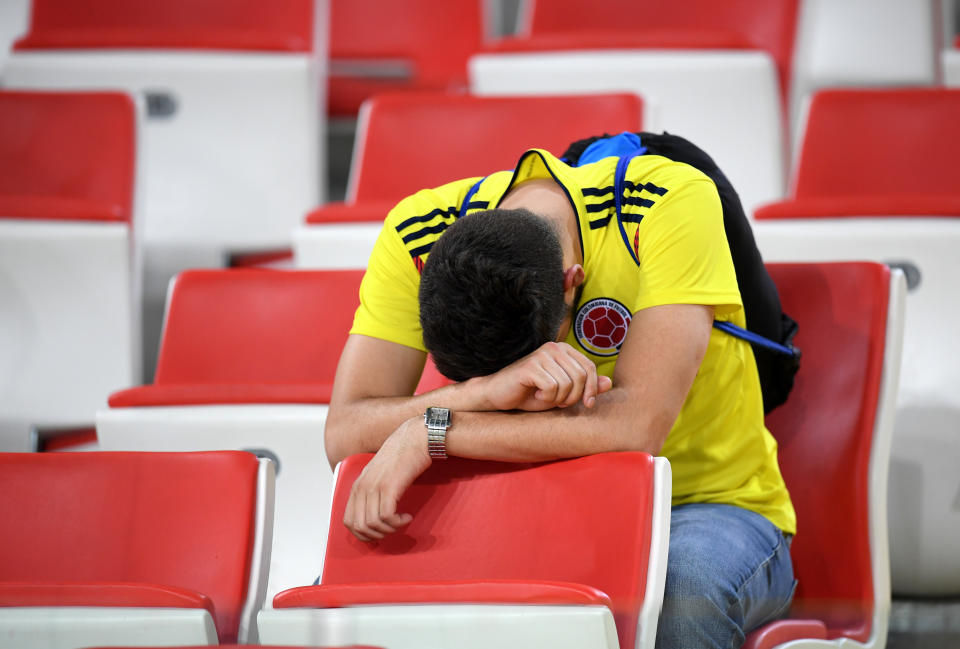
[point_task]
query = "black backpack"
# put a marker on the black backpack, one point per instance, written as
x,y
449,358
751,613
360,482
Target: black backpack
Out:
x,y
769,329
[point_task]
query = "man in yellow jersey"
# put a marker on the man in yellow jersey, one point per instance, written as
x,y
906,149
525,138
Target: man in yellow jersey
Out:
x,y
575,323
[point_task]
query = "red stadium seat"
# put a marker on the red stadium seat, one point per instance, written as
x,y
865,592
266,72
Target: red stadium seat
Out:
x,y
693,62
378,47
250,336
876,180
662,24
69,271
175,24
876,152
232,99
512,552
848,45
144,548
247,361
407,142
834,437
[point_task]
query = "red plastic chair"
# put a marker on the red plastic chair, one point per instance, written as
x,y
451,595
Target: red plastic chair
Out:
x,y
68,281
876,180
233,109
834,436
156,548
175,24
407,142
660,24
378,47
683,58
250,336
876,152
247,361
509,551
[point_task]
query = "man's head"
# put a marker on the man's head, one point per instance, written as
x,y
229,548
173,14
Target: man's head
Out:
x,y
492,291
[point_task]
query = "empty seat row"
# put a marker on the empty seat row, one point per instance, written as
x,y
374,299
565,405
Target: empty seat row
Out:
x,y
69,257
189,533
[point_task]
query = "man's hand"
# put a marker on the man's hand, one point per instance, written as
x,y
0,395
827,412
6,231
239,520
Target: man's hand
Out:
x,y
371,511
554,376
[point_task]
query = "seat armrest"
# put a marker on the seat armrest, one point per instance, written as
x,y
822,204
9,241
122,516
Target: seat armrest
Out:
x,y
360,212
442,592
608,39
227,394
103,594
866,206
776,633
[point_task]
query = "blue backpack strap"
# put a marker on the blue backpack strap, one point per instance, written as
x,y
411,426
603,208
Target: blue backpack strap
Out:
x,y
756,339
628,146
465,205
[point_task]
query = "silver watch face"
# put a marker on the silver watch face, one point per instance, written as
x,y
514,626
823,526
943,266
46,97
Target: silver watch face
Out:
x,y
437,417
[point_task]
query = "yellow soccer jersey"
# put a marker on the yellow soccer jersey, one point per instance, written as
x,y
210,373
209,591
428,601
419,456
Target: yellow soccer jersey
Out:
x,y
668,247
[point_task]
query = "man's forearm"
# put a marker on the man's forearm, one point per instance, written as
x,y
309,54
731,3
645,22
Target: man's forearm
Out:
x,y
362,424
614,424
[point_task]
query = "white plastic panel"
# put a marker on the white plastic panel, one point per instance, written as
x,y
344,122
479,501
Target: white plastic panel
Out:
x,y
452,626
951,68
698,95
659,545
236,163
924,484
76,627
330,247
292,434
68,334
262,552
14,19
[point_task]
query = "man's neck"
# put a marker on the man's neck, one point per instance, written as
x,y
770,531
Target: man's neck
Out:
x,y
545,198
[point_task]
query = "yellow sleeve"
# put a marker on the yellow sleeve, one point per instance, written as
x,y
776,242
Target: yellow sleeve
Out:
x,y
683,251
389,307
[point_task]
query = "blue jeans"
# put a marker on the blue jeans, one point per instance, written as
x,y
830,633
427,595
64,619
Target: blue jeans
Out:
x,y
729,571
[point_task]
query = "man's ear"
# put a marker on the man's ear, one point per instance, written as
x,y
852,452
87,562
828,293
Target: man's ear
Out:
x,y
572,277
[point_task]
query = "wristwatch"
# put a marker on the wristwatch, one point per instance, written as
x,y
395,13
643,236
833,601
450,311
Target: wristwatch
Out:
x,y
437,421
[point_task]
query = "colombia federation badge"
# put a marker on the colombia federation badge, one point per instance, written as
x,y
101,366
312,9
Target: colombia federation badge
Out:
x,y
601,326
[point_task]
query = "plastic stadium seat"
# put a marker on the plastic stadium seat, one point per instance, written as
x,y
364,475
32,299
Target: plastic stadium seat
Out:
x,y
69,268
247,361
407,142
140,548
378,47
834,448
233,101
860,194
499,555
694,63
848,44
951,65
692,24
876,152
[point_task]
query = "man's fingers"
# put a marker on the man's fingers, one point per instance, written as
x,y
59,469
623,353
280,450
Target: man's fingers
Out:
x,y
553,382
389,515
579,376
604,383
353,515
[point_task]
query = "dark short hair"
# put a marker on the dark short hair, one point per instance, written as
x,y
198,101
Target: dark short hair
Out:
x,y
491,292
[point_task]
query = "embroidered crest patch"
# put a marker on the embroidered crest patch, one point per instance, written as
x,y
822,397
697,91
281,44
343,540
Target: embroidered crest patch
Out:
x,y
601,326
